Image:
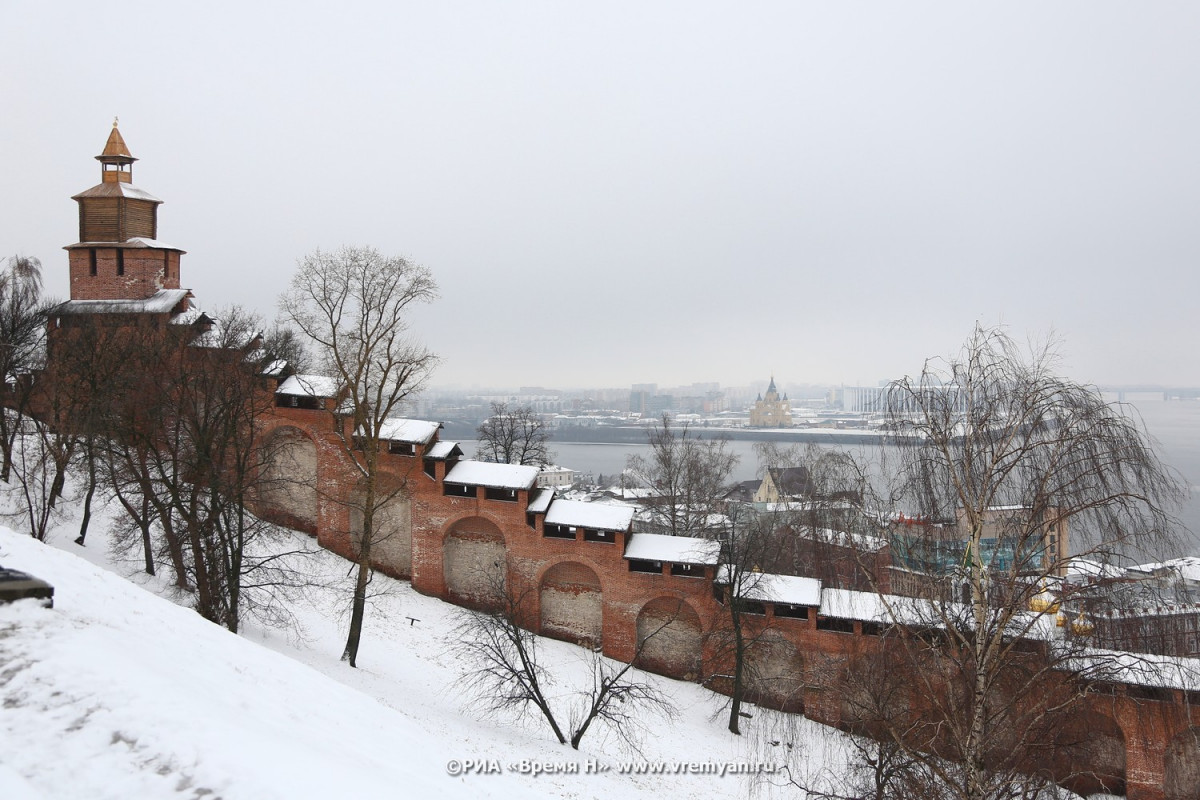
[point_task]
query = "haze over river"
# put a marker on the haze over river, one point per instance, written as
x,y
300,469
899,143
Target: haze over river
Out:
x,y
1175,424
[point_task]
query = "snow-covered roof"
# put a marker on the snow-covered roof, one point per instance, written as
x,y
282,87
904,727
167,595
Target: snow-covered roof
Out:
x,y
676,549
540,501
117,189
274,369
443,450
1187,567
496,476
599,516
136,243
769,588
309,386
1091,568
163,301
412,431
1140,669
873,607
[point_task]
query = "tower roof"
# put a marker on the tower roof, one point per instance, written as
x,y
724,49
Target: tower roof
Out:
x,y
771,388
115,149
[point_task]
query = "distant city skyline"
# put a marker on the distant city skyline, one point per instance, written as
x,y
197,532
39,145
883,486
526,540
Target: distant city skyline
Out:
x,y
674,191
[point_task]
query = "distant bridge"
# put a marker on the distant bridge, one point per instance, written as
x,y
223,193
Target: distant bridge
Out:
x,y
1167,392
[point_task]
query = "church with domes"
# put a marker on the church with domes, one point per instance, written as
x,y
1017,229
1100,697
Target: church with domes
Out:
x,y
770,411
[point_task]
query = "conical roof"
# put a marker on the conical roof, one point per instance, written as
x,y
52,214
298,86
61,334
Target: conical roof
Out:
x,y
115,149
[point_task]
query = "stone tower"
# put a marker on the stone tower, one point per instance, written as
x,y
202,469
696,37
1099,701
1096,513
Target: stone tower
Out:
x,y
118,255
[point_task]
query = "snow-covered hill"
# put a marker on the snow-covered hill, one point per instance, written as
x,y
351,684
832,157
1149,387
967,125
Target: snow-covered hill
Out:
x,y
119,693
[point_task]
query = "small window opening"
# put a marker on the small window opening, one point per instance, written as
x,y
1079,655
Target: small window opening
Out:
x,y
120,262
835,624
559,532
790,611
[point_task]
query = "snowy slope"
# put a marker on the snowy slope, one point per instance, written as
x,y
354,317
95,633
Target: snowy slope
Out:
x,y
119,693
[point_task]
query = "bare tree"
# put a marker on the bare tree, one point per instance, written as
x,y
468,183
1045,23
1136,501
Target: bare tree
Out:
x,y
22,347
353,306
741,629
503,670
690,478
514,436
1020,470
182,454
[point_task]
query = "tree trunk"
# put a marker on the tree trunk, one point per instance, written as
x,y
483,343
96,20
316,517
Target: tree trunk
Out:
x,y
87,498
350,654
354,637
739,677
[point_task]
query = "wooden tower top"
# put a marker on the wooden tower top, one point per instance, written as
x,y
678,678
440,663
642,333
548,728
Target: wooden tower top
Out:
x,y
115,210
116,158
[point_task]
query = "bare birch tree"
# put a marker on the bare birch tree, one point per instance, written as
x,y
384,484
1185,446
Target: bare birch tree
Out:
x,y
1025,470
353,306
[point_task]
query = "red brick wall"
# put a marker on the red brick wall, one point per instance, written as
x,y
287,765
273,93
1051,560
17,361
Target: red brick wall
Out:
x,y
804,666
146,271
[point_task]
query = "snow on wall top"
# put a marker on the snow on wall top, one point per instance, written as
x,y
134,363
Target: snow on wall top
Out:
x,y
412,431
889,608
788,589
676,549
865,606
496,476
599,516
541,501
161,302
309,386
274,369
443,450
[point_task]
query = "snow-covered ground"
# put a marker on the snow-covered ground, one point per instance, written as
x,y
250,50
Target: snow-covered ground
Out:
x,y
118,692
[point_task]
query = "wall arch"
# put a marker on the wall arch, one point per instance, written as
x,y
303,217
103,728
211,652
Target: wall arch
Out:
x,y
571,603
288,491
670,638
391,546
474,563
1089,753
1181,766
774,672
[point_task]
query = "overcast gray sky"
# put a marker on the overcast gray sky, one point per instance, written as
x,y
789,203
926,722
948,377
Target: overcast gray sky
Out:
x,y
611,193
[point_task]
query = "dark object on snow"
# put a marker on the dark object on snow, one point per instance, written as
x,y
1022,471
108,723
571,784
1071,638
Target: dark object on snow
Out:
x,y
16,585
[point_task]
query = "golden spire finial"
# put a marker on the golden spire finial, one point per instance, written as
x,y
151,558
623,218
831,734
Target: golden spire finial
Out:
x,y
116,119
